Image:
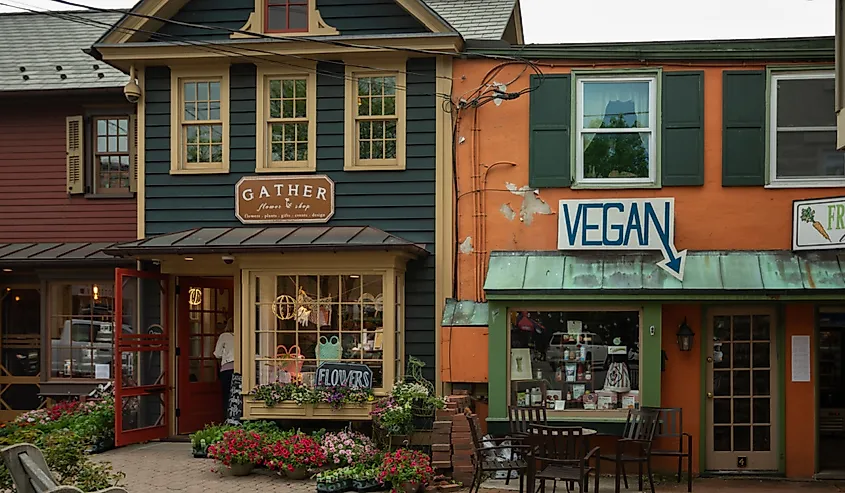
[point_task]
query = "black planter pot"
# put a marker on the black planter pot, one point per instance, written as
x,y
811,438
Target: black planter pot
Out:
x,y
367,486
199,453
339,487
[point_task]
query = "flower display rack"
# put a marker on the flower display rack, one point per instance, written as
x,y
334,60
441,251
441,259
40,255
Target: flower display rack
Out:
x,y
255,409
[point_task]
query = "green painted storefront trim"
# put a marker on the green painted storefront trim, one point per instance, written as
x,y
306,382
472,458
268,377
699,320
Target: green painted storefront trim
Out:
x,y
705,342
773,49
607,295
650,354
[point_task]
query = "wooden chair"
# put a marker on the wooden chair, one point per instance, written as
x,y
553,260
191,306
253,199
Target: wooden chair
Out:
x,y
31,474
560,454
484,464
671,427
635,445
519,419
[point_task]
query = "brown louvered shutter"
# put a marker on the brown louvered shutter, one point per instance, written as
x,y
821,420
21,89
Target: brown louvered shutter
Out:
x,y
133,154
75,155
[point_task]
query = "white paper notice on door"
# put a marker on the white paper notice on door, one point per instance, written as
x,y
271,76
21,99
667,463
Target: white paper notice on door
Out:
x,y
102,372
800,358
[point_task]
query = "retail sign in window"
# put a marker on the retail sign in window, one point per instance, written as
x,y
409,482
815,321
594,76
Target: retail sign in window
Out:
x,y
818,224
622,224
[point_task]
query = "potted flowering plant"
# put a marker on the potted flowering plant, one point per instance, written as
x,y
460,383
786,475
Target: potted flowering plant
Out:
x,y
365,478
239,451
406,471
347,448
334,481
294,456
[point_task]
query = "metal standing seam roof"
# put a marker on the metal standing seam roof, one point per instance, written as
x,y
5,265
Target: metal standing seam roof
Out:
x,y
705,271
46,253
271,239
464,314
475,19
44,52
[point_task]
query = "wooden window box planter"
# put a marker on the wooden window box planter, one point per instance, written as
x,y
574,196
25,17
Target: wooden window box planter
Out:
x,y
254,409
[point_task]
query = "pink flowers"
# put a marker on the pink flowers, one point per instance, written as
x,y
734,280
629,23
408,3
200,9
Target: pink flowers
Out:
x,y
238,447
346,448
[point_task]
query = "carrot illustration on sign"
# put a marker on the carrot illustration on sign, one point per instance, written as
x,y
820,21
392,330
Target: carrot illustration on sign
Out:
x,y
808,215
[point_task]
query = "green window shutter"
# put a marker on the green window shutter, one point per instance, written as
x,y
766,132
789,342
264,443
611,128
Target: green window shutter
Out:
x,y
744,128
549,140
682,159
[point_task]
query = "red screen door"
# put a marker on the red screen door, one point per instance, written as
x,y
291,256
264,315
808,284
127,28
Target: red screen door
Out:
x,y
205,307
141,349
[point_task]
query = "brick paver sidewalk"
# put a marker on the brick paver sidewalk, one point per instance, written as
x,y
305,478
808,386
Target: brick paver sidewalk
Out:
x,y
164,467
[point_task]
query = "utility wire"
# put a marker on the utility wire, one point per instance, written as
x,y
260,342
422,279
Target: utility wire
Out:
x,y
70,17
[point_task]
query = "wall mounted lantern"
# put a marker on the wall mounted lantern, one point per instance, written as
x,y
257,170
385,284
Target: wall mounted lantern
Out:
x,y
685,336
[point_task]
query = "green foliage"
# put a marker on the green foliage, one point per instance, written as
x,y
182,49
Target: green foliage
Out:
x,y
274,393
209,435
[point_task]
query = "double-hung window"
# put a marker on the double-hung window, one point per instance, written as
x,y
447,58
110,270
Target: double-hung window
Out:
x,y
616,123
200,135
101,152
112,154
375,119
287,105
802,131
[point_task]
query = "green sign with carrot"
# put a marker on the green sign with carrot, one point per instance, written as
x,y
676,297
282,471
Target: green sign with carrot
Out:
x,y
818,224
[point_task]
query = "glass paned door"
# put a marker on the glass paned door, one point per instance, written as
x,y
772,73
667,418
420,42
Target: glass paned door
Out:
x,y
742,392
141,361
20,351
206,308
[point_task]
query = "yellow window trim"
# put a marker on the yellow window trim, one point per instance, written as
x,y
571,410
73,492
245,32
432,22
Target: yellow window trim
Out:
x,y
178,76
352,162
263,155
257,23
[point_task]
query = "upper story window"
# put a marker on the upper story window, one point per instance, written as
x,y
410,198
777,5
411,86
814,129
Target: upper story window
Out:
x,y
802,131
200,126
101,152
287,16
112,154
286,121
376,120
616,124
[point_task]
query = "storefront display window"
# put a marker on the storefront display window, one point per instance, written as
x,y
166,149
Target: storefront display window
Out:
x,y
81,330
302,321
575,360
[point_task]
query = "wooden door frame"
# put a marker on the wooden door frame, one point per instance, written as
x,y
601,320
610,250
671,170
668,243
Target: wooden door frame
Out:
x,y
183,331
778,338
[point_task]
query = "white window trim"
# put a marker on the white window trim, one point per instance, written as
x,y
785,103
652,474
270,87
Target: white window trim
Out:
x,y
774,181
351,161
263,155
652,130
178,75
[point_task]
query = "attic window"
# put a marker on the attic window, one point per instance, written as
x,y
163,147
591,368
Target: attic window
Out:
x,y
287,16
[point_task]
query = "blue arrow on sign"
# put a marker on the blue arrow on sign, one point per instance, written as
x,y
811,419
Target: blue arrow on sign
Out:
x,y
622,224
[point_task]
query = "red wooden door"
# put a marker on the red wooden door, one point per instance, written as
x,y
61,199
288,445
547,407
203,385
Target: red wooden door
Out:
x,y
205,307
141,356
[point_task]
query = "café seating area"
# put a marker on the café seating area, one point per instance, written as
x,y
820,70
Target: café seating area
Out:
x,y
542,454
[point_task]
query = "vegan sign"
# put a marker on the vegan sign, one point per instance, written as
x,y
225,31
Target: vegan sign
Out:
x,y
818,224
284,199
351,375
623,224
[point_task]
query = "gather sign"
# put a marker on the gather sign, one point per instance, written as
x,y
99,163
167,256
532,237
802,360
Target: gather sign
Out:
x,y
284,199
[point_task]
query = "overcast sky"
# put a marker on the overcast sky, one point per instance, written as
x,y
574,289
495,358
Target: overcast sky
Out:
x,y
574,21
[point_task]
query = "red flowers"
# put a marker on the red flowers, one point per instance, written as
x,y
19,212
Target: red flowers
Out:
x,y
238,447
300,451
405,466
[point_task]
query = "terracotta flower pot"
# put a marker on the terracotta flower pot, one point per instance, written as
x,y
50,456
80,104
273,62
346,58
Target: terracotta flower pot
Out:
x,y
297,474
240,469
409,487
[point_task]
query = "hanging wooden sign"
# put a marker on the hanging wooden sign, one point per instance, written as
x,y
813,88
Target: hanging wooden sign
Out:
x,y
351,375
284,199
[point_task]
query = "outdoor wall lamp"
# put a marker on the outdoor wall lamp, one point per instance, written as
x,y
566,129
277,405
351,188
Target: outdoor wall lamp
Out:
x,y
685,336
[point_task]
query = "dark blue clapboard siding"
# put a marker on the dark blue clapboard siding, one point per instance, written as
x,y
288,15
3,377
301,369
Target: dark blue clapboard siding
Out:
x,y
399,202
350,17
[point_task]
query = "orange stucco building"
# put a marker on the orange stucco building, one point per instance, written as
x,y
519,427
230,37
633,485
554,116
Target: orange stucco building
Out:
x,y
589,177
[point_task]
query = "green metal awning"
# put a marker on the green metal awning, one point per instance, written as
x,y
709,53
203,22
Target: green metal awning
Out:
x,y
464,314
707,273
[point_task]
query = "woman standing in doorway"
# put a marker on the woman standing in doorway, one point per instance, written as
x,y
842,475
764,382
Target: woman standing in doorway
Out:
x,y
225,352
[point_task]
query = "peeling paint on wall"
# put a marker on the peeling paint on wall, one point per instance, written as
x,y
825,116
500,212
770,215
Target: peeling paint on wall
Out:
x,y
509,213
531,202
466,246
